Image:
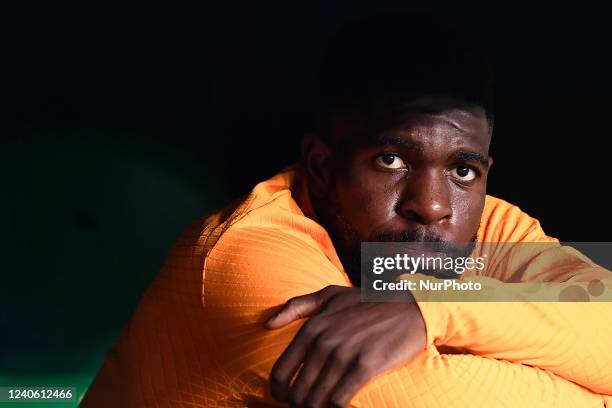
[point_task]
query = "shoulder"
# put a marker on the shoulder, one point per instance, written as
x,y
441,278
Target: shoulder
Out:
x,y
275,259
502,221
267,247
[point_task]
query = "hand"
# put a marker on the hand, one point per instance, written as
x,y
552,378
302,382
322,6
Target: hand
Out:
x,y
344,344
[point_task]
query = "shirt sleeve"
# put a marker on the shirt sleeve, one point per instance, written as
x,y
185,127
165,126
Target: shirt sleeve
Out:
x,y
253,271
564,327
571,340
197,339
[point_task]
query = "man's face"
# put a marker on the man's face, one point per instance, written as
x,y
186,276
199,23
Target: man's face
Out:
x,y
409,173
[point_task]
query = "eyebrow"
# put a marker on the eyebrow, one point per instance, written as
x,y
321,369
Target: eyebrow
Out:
x,y
391,139
474,157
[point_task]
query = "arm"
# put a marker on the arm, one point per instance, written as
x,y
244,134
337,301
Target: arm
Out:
x,y
570,339
464,380
197,339
377,340
281,267
197,336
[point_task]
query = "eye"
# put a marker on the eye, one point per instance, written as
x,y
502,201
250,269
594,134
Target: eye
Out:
x,y
463,173
390,161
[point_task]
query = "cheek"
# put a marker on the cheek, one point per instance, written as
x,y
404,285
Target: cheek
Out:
x,y
366,200
467,211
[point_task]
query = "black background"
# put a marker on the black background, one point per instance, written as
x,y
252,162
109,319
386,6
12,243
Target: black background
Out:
x,y
126,124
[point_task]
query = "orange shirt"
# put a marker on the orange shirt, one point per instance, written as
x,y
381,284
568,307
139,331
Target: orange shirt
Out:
x,y
197,337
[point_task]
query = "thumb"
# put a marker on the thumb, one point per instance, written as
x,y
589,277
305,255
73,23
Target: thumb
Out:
x,y
300,307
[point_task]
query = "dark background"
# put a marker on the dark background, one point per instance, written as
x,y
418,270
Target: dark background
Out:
x,y
126,124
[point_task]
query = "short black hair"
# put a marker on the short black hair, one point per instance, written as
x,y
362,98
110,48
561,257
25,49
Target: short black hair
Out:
x,y
397,58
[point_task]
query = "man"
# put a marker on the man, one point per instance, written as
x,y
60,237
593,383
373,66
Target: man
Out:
x,y
401,153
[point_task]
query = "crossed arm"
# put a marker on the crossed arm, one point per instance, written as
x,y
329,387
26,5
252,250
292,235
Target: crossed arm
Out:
x,y
198,338
532,354
346,343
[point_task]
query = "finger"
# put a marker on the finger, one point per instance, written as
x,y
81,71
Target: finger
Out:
x,y
290,360
300,307
313,364
353,380
335,367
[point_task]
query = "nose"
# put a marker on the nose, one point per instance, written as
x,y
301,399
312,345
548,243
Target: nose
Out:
x,y
426,199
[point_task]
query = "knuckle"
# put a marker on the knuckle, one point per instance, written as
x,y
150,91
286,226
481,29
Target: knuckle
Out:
x,y
317,321
337,402
334,290
317,324
293,303
364,363
340,356
275,376
325,343
310,329
330,288
278,390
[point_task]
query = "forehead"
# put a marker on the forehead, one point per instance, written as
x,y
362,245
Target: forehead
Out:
x,y
423,123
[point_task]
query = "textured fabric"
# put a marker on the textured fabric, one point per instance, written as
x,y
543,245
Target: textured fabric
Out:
x,y
197,339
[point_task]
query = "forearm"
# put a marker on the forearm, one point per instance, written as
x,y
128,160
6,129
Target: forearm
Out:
x,y
442,380
571,340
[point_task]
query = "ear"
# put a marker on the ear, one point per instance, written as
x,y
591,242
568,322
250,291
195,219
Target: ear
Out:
x,y
316,158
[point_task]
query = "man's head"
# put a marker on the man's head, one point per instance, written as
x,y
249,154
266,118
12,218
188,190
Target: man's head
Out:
x,y
401,149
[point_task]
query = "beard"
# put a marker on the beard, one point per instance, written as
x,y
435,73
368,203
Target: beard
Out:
x,y
347,241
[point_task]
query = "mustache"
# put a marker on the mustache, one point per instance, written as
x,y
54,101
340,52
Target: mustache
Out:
x,y
422,235
415,235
